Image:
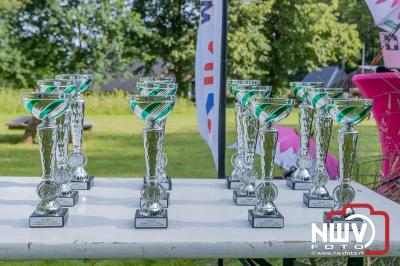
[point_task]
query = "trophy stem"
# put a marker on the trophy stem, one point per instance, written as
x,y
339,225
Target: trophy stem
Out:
x,y
63,123
63,174
305,121
152,191
268,139
345,193
323,129
78,110
267,192
248,175
48,190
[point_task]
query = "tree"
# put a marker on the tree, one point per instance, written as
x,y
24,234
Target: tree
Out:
x,y
289,37
172,40
49,37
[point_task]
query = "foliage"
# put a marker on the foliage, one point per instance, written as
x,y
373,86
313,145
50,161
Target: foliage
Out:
x,y
270,40
43,38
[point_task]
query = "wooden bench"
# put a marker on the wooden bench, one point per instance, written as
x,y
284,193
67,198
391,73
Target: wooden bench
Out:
x,y
28,123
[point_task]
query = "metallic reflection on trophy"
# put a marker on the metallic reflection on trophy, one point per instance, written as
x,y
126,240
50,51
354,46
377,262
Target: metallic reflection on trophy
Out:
x,y
300,178
320,99
160,88
347,113
268,112
237,159
245,194
77,160
47,107
68,197
152,110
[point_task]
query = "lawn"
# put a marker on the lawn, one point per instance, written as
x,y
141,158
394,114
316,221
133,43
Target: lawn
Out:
x,y
115,149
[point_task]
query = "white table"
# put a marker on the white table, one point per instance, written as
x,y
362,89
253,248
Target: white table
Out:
x,y
203,223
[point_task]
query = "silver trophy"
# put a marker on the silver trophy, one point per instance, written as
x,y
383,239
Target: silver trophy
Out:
x,y
301,177
268,112
245,194
151,86
77,160
320,99
155,88
47,107
348,113
237,159
152,110
68,197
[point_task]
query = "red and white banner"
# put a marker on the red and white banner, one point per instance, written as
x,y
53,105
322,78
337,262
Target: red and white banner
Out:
x,y
386,13
208,65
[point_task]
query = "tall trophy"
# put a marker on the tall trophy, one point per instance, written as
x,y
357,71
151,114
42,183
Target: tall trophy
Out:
x,y
245,194
152,110
348,113
47,107
268,112
77,160
233,181
68,197
161,89
320,99
300,179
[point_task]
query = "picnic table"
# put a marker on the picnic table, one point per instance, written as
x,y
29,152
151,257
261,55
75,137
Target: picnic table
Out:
x,y
203,223
28,124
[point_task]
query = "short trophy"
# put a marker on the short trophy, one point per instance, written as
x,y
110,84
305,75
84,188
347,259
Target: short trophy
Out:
x,y
320,99
348,113
245,194
152,110
76,160
300,179
68,197
268,112
233,181
47,107
160,89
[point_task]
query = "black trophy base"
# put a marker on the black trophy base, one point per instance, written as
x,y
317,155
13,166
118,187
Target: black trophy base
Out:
x,y
83,185
244,200
298,185
154,222
232,184
342,220
164,201
312,202
266,221
43,221
69,201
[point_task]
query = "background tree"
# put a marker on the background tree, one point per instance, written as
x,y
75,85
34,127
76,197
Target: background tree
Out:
x,y
49,37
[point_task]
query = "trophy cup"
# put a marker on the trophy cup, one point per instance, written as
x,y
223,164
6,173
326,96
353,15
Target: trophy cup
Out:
x,y
160,89
76,160
47,107
300,178
245,194
152,109
233,181
268,112
320,99
348,113
63,175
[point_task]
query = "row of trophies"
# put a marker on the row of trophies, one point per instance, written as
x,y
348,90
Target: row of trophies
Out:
x,y
60,108
252,107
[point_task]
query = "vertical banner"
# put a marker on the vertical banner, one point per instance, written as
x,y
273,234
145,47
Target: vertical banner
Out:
x,y
390,49
208,73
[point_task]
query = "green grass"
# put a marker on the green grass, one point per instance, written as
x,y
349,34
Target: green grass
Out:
x,y
115,149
